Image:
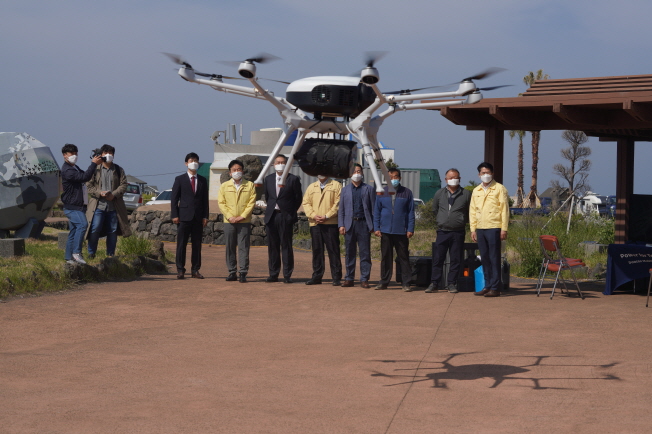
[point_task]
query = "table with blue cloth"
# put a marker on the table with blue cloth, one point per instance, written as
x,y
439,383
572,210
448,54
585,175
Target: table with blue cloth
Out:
x,y
626,262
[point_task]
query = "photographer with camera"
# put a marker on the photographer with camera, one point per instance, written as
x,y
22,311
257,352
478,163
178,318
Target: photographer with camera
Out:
x,y
75,198
107,213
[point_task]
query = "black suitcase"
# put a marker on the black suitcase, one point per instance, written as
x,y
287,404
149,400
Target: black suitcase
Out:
x,y
421,271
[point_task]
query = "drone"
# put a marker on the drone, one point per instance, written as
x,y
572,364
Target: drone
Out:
x,y
334,105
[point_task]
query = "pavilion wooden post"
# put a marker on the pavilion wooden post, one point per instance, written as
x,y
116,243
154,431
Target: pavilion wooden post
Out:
x,y
624,187
494,145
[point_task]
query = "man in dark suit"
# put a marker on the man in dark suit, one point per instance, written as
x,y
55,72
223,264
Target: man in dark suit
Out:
x,y
189,210
356,223
280,217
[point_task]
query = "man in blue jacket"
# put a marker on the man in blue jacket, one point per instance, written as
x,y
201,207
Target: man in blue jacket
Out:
x,y
75,199
356,223
394,223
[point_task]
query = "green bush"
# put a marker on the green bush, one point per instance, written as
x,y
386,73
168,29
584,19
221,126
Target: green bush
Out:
x,y
524,233
426,218
134,245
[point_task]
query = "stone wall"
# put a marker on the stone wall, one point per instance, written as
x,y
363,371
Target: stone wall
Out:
x,y
157,225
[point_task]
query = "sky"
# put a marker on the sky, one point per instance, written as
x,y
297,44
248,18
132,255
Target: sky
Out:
x,y
91,73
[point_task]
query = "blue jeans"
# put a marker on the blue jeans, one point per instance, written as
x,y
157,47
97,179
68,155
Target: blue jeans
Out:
x,y
105,222
77,225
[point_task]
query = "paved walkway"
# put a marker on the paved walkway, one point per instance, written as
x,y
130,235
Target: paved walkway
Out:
x,y
160,355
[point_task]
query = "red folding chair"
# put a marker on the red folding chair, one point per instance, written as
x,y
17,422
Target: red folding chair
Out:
x,y
556,262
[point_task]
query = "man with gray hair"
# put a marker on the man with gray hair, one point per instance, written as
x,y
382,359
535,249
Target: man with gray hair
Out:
x,y
451,207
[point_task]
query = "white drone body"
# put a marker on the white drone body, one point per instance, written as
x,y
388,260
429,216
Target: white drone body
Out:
x,y
338,104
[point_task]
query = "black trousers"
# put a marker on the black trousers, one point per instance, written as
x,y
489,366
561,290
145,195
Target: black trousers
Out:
x,y
489,246
194,230
279,244
389,243
328,235
451,242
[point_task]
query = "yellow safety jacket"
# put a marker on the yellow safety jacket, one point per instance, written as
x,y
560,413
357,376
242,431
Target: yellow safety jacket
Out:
x,y
326,201
489,208
237,202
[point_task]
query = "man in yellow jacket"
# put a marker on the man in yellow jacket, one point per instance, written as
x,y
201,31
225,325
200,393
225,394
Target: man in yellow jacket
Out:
x,y
236,199
321,203
489,218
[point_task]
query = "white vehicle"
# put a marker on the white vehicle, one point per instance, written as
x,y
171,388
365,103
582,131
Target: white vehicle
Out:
x,y
592,203
163,198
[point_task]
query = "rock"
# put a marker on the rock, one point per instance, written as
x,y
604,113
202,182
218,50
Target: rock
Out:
x,y
218,227
220,240
258,241
158,250
156,224
142,226
303,244
259,231
152,266
257,221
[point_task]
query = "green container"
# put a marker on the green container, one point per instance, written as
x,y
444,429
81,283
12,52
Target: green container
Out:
x,y
205,171
429,183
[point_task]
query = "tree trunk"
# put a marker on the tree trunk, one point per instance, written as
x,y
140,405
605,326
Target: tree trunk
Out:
x,y
535,165
519,186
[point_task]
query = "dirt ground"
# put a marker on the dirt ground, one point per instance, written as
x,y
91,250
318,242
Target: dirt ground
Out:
x,y
160,355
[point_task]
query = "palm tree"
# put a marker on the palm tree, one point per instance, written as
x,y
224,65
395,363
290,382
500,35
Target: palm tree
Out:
x,y
530,79
519,193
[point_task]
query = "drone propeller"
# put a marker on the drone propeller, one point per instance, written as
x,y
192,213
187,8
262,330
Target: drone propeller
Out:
x,y
493,87
486,73
409,91
218,76
261,58
178,60
271,79
374,56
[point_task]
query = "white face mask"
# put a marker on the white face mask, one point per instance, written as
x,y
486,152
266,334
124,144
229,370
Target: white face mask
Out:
x,y
109,158
279,167
236,175
486,178
322,177
193,166
357,177
72,159
453,182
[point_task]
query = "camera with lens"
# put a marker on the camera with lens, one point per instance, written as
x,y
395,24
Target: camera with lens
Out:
x,y
97,153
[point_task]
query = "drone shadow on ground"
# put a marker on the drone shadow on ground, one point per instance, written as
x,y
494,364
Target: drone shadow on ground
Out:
x,y
499,373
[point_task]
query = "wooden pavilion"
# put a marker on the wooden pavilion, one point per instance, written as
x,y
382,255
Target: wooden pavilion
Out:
x,y
615,109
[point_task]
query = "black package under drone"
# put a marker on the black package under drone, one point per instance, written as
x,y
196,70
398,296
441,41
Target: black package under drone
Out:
x,y
333,158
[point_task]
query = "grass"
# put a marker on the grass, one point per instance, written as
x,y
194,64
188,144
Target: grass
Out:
x,y
41,269
524,251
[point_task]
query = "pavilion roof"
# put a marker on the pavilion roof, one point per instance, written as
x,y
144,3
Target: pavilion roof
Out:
x,y
605,107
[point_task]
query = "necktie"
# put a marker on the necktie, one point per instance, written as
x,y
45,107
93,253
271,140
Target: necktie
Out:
x,y
192,182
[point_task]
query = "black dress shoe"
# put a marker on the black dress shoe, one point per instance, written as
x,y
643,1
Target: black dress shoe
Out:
x,y
483,292
196,275
243,277
288,280
314,282
180,275
381,286
232,277
271,279
337,283
492,293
